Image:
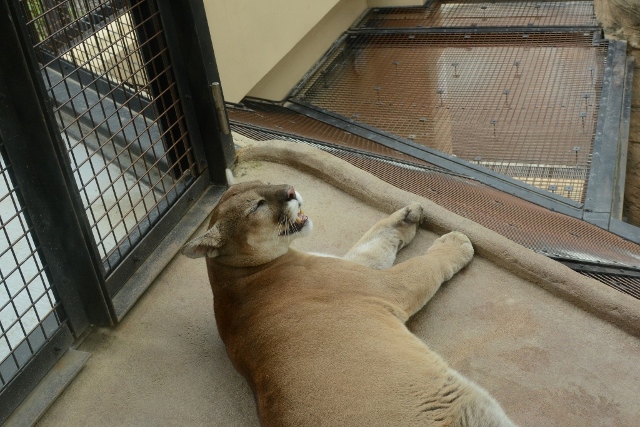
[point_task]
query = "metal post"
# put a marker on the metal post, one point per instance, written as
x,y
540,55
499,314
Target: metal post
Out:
x,y
187,30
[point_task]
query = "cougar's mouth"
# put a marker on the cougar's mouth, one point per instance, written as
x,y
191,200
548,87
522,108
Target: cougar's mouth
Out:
x,y
297,225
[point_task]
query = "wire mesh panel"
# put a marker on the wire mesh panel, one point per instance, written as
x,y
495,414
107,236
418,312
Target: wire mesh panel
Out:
x,y
470,13
107,69
283,120
29,311
524,105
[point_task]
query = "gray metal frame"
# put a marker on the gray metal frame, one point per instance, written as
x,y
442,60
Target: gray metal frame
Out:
x,y
606,173
605,188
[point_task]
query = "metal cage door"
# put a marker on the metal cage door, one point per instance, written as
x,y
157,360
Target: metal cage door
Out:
x,y
121,98
101,154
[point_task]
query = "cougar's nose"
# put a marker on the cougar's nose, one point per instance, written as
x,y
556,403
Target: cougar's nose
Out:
x,y
291,193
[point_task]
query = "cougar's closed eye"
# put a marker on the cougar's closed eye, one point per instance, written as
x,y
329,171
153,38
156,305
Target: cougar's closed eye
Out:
x,y
256,206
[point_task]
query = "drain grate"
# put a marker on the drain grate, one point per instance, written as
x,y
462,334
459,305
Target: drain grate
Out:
x,y
461,13
524,105
626,284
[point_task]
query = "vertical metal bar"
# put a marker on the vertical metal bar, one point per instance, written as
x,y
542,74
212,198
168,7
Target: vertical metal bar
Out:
x,y
598,201
28,132
184,91
186,25
621,170
218,100
145,19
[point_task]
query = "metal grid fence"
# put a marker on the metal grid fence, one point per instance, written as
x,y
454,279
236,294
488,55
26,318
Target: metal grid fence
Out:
x,y
469,13
106,67
524,105
29,311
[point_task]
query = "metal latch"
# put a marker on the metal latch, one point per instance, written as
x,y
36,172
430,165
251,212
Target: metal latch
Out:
x,y
216,90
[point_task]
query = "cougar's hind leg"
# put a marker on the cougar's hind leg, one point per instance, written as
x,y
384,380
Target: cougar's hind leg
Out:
x,y
379,246
453,250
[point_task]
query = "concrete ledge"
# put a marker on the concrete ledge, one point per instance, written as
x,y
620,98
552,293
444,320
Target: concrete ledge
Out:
x,y
164,252
588,294
49,388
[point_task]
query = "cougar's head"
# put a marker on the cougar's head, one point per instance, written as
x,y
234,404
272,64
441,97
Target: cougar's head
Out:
x,y
252,224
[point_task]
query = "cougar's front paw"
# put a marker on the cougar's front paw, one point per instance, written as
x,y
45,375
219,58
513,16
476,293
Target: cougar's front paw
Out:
x,y
460,246
411,214
405,223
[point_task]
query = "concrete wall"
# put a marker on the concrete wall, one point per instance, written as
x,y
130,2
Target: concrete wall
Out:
x,y
266,47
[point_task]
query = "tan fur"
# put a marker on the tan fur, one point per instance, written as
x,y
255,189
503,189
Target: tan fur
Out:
x,y
322,341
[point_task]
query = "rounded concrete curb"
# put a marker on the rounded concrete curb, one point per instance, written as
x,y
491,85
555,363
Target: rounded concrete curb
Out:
x,y
590,295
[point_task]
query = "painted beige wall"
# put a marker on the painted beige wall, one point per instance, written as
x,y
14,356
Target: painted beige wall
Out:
x,y
391,3
281,79
251,37
266,47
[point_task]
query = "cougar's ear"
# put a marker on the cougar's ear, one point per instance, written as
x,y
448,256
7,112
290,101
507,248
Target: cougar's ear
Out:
x,y
206,245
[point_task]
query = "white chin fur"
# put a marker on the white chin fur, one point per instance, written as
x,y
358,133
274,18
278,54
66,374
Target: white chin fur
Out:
x,y
294,206
307,229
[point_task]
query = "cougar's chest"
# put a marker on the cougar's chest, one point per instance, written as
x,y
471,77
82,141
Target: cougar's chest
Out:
x,y
285,288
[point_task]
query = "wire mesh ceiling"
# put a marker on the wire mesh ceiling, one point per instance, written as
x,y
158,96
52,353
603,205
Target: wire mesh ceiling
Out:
x,y
470,13
524,105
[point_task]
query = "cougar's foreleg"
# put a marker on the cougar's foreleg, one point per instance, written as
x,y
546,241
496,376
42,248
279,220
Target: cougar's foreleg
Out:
x,y
412,283
379,246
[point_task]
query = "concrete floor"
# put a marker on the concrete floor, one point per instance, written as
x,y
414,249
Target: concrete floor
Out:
x,y
548,362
